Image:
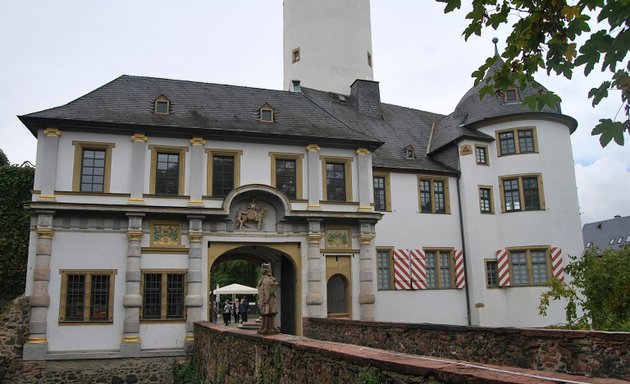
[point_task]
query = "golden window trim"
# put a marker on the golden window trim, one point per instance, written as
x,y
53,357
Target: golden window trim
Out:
x,y
164,293
299,174
88,273
347,162
517,144
447,195
438,277
79,146
181,151
165,245
388,194
492,210
161,99
487,154
266,108
211,153
541,193
530,273
517,94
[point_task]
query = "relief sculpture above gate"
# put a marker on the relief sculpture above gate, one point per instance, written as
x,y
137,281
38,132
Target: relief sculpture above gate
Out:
x,y
252,213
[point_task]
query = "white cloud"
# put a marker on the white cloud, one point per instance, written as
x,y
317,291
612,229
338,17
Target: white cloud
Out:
x,y
603,189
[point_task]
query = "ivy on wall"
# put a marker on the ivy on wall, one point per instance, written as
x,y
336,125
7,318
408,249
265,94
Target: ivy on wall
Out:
x,y
15,190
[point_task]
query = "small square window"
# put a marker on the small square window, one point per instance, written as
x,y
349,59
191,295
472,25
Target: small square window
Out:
x,y
161,106
589,244
612,241
511,96
620,240
295,55
266,115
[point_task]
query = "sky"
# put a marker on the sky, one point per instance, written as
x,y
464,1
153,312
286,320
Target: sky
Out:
x,y
52,52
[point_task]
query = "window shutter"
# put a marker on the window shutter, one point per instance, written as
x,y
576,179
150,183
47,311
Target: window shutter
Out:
x,y
418,269
402,278
460,281
503,265
557,270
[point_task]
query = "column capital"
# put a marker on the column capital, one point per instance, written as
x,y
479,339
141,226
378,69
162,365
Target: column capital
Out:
x,y
312,148
314,238
365,239
36,340
130,339
195,237
363,151
135,235
45,233
52,132
197,141
137,137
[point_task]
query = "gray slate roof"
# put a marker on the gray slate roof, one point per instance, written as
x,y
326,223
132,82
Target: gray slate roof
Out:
x,y
600,233
209,108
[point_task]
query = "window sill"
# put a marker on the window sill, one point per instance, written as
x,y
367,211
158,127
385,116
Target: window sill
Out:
x,y
91,322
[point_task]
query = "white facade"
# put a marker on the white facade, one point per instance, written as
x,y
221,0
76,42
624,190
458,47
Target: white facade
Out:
x,y
327,44
125,270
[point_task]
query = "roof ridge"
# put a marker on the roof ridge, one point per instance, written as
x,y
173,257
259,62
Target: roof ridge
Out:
x,y
207,83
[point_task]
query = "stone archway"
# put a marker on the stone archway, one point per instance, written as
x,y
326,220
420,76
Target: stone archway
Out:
x,y
286,265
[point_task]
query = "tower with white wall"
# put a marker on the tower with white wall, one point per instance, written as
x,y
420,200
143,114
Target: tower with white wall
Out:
x,y
327,43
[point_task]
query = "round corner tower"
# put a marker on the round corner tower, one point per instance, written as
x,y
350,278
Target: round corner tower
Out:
x,y
327,43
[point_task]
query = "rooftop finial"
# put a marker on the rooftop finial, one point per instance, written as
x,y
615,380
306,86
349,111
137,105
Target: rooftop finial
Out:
x,y
496,50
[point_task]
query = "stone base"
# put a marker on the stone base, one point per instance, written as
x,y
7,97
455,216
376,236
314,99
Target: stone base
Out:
x,y
130,349
35,351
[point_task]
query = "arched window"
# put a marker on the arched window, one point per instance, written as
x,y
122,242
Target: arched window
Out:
x,y
337,291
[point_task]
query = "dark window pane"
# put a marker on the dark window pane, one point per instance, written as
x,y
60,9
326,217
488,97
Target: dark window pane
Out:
x,y
167,174
286,177
175,296
539,266
507,144
519,267
425,197
438,191
384,270
530,193
161,106
222,175
336,181
75,299
336,290
380,198
92,163
484,200
512,195
492,274
431,269
99,298
481,155
445,270
526,141
152,296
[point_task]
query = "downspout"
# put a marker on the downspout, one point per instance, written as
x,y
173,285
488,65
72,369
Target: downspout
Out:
x,y
461,230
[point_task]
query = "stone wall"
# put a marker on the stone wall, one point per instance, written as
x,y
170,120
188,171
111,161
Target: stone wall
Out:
x,y
13,331
596,354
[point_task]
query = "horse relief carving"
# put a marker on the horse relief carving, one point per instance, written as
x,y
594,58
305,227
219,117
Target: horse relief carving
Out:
x,y
252,213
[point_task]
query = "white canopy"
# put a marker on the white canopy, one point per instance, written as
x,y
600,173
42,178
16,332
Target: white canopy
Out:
x,y
235,289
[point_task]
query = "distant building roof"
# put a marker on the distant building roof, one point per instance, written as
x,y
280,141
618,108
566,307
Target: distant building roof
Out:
x,y
613,233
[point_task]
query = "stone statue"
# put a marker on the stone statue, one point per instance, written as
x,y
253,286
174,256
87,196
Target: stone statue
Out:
x,y
267,301
251,214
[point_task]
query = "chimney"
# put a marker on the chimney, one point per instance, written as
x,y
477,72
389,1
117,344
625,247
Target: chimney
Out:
x,y
617,216
366,98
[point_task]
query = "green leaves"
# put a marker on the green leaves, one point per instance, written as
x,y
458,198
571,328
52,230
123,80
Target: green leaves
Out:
x,y
545,36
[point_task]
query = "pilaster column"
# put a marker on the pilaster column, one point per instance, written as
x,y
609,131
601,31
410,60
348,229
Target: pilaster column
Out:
x,y
36,346
194,297
367,264
196,170
138,155
365,179
314,181
314,299
47,158
132,299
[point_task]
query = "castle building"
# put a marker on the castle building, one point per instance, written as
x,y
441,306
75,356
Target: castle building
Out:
x,y
366,210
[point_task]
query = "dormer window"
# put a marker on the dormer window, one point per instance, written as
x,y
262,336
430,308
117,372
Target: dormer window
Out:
x,y
295,55
410,152
161,105
266,114
511,96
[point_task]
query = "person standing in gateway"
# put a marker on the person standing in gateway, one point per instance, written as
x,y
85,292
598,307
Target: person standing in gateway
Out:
x,y
243,308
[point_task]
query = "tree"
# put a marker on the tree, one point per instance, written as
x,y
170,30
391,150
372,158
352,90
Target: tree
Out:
x,y
546,35
15,191
598,296
235,271
4,160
